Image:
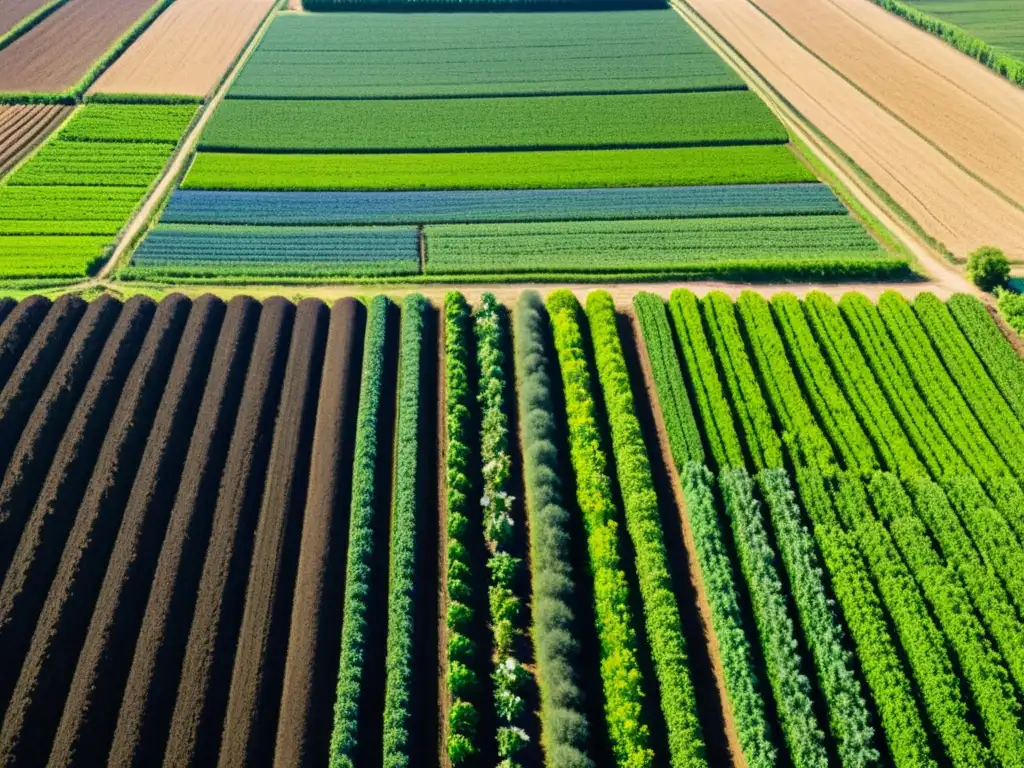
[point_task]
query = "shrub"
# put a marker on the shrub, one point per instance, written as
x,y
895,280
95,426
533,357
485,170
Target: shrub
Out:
x,y
988,267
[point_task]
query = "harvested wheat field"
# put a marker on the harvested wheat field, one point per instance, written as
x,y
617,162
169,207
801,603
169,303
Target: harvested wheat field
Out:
x,y
947,202
187,50
977,119
55,55
23,127
13,11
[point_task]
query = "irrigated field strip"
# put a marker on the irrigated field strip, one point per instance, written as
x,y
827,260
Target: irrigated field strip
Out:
x,y
187,49
949,204
140,629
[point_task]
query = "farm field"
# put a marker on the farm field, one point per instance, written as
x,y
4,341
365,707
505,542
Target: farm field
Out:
x,y
793,526
187,50
60,211
81,30
999,23
949,204
23,127
14,11
981,128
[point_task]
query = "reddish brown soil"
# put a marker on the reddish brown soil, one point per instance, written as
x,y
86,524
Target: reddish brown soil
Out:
x,y
55,55
144,719
311,669
203,691
250,724
23,127
31,374
13,11
90,712
61,626
16,331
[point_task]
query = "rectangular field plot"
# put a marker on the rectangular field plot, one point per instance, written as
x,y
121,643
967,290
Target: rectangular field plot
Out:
x,y
1000,23
243,252
68,204
498,170
99,164
129,122
644,246
645,120
483,206
25,256
366,55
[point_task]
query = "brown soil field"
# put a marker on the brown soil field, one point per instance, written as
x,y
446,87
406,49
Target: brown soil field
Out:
x,y
946,201
55,55
17,330
23,127
980,128
187,50
13,11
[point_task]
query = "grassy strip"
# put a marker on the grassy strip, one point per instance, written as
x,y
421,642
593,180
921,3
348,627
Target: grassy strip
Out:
x,y
980,665
620,671
824,631
643,521
141,98
461,681
364,514
565,730
505,601
1004,365
1009,67
677,413
498,170
405,523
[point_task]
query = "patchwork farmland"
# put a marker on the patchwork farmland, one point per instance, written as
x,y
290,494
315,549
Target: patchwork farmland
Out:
x,y
694,532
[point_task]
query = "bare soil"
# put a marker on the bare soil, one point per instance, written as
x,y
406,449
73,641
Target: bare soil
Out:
x,y
946,201
23,127
144,719
90,711
202,698
56,54
13,11
16,331
187,50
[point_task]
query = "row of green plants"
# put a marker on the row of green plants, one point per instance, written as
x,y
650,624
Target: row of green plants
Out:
x,y
643,522
505,599
363,523
979,663
462,683
405,525
565,730
621,677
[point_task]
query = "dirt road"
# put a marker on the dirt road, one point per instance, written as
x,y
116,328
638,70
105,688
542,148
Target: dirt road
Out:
x,y
947,202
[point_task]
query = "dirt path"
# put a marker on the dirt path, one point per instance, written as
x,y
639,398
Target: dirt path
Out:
x,y
948,203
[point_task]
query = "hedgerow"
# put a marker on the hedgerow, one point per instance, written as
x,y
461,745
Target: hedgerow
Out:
x,y
980,665
1002,361
405,524
620,671
643,521
461,682
365,510
792,689
676,411
699,362
825,633
863,392
506,602
738,667
748,402
877,649
564,725
923,643
826,398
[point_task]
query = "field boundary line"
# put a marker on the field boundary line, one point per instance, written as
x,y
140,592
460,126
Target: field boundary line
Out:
x,y
937,267
144,218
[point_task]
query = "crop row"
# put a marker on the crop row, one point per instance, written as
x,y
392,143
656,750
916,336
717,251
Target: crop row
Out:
x,y
146,123
616,627
485,206
96,164
493,123
552,169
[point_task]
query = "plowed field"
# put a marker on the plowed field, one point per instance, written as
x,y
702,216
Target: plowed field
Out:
x,y
24,127
187,49
13,11
55,55
946,201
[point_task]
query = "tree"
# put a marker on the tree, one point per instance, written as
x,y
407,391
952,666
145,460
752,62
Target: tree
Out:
x,y
988,267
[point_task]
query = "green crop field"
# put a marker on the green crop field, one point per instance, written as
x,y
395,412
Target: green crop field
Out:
x,y
102,164
1000,23
126,123
689,119
498,170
